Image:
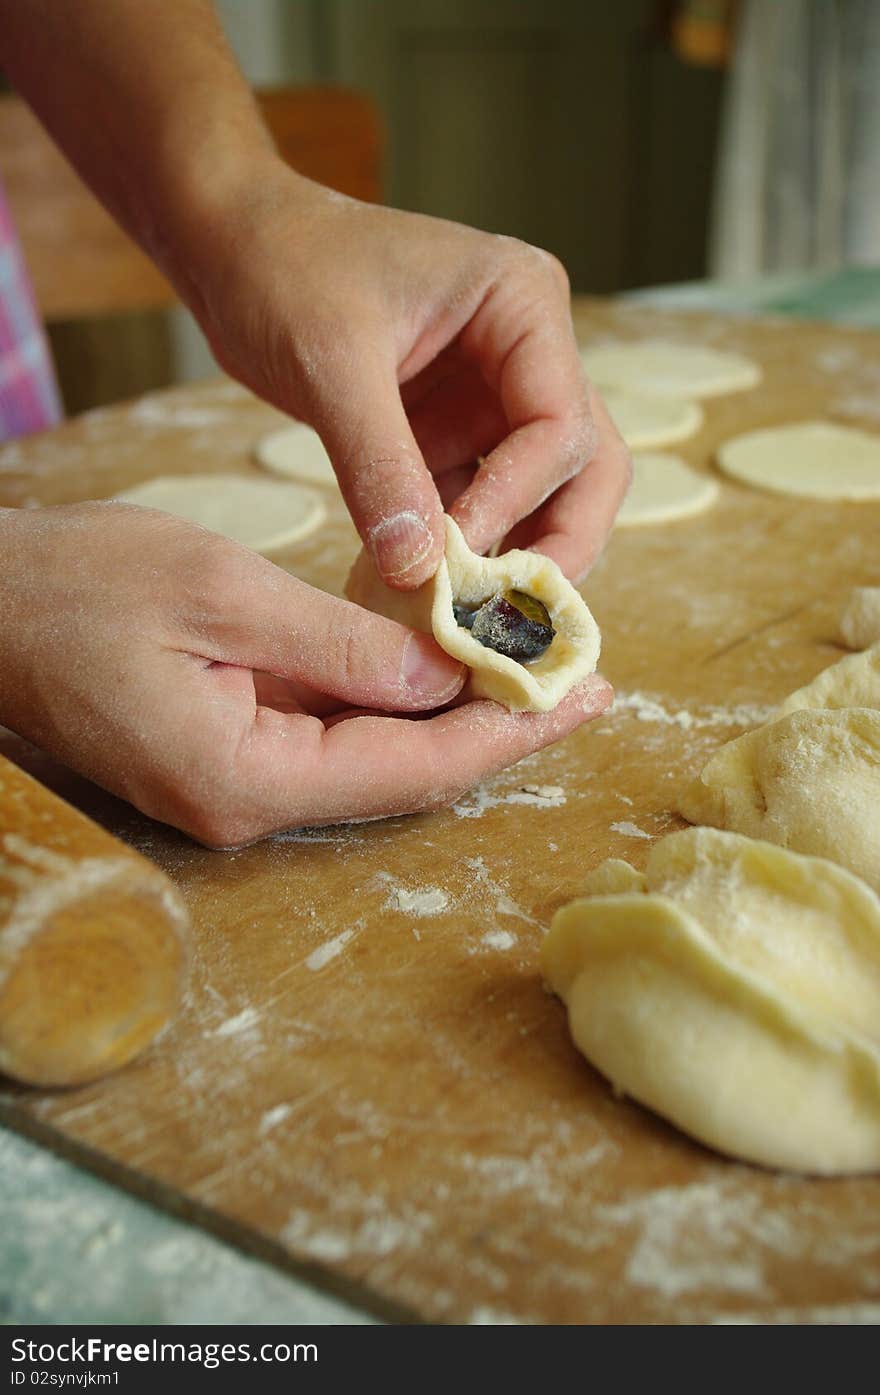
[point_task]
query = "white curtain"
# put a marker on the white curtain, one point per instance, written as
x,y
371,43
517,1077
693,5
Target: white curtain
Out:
x,y
799,167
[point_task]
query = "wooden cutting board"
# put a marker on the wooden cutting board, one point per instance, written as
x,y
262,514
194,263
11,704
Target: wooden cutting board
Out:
x,y
370,1080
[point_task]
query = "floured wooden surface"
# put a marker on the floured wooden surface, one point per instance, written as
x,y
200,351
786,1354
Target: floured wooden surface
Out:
x,y
370,1078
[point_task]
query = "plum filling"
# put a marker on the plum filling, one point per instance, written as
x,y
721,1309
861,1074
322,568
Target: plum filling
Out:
x,y
511,623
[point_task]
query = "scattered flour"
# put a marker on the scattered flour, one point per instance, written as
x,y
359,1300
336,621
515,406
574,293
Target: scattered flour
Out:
x,y
244,1021
493,1317
322,956
474,804
378,1233
429,900
160,411
497,939
687,1238
648,707
273,1117
629,830
504,902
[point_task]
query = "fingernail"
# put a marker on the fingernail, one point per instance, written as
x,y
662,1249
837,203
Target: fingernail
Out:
x,y
427,674
399,543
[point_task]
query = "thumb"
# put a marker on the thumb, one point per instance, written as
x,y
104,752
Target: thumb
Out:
x,y
389,491
274,622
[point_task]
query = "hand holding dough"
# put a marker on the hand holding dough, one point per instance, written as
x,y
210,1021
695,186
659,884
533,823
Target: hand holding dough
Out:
x,y
735,988
469,580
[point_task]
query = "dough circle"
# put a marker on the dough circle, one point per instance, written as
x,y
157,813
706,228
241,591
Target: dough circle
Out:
x,y
809,459
664,489
296,451
262,514
668,369
465,577
734,987
646,423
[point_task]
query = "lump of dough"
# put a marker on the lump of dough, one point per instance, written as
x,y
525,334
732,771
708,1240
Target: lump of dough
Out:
x,y
646,423
468,581
851,682
810,459
809,781
262,514
667,369
663,490
859,623
737,994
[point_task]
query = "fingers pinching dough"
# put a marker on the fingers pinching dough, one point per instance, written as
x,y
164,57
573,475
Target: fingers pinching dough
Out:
x,y
737,994
466,585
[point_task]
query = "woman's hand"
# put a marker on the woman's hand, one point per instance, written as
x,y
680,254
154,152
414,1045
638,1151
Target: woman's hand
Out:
x,y
414,347
186,674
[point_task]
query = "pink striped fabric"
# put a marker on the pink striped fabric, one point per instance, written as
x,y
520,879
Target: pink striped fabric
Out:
x,y
29,397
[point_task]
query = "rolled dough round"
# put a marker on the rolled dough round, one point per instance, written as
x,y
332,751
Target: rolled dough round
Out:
x,y
297,451
812,459
466,578
665,369
646,422
262,514
733,987
664,489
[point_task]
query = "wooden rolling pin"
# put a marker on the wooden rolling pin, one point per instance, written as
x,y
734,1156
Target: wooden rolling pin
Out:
x,y
93,941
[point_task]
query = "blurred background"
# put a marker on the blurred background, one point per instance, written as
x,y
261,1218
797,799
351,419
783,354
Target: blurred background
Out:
x,y
728,148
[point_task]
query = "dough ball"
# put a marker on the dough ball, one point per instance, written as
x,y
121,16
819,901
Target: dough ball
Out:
x,y
297,451
646,423
663,490
808,781
859,623
809,459
665,369
262,514
466,580
737,994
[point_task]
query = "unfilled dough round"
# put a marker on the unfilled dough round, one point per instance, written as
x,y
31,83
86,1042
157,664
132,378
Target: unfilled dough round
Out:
x,y
668,369
664,489
296,451
733,987
647,422
859,623
262,514
465,577
810,459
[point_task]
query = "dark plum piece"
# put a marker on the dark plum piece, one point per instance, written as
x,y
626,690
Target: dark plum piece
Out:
x,y
515,624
